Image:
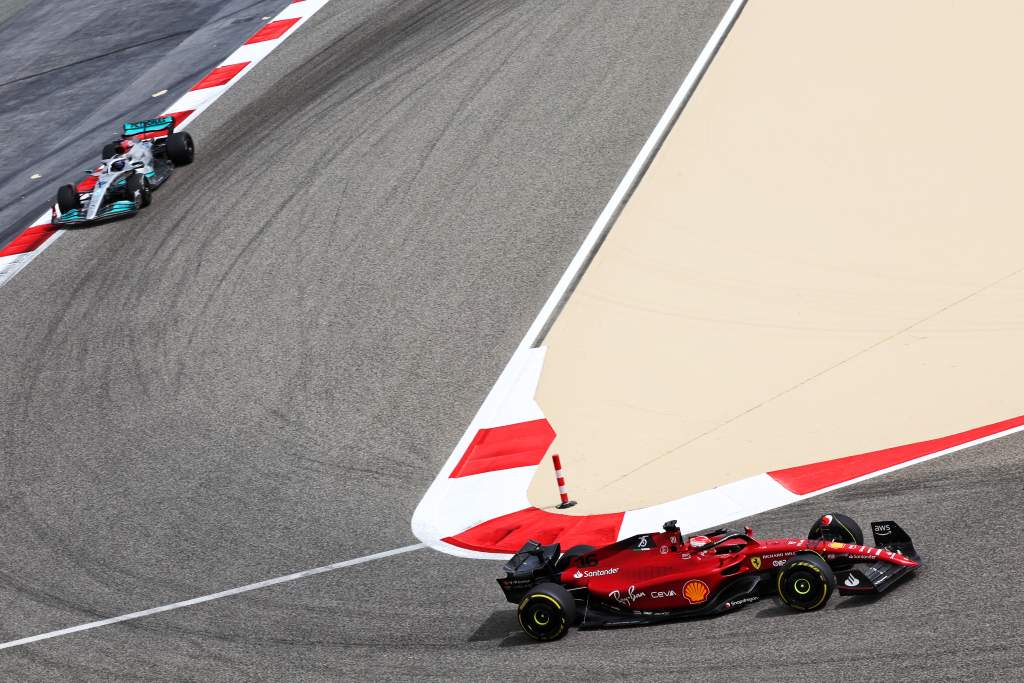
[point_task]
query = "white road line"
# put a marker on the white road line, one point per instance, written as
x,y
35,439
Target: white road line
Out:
x,y
634,174
213,596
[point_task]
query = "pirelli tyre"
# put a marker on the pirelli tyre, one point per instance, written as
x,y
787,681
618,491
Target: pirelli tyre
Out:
x,y
833,526
180,149
138,190
806,582
67,198
546,612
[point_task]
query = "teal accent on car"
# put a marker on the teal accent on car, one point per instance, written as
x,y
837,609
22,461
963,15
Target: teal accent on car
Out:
x,y
148,126
119,207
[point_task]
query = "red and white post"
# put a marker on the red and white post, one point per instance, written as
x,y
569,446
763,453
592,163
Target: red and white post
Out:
x,y
563,492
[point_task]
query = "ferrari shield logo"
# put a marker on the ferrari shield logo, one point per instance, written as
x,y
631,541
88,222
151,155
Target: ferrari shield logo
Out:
x,y
755,562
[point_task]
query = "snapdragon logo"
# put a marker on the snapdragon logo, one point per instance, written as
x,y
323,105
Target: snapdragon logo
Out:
x,y
594,572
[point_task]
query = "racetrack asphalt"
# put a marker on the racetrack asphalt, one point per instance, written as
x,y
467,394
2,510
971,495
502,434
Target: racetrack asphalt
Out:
x,y
263,372
10,9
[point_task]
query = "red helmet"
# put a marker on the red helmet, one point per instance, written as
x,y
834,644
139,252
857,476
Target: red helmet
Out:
x,y
699,541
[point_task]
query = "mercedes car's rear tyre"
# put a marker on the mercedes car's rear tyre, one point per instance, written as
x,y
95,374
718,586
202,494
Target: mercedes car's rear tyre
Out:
x,y
546,612
139,190
180,149
67,198
836,527
806,582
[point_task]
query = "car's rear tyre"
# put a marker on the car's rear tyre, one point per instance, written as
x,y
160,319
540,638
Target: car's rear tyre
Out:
x,y
806,582
836,527
546,612
139,191
111,149
180,149
67,198
566,560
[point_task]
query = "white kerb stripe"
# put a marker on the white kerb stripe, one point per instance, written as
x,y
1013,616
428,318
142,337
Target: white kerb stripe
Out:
x,y
213,596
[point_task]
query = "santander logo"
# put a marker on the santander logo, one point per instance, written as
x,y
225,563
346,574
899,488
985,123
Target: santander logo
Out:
x,y
595,572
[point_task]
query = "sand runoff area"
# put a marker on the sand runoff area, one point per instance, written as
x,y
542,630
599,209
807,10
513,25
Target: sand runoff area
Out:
x,y
825,258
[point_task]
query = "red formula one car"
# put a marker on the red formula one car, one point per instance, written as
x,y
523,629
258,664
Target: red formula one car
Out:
x,y
663,576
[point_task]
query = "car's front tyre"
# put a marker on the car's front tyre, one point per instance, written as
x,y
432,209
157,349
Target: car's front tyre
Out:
x,y
834,526
138,189
546,612
806,582
68,199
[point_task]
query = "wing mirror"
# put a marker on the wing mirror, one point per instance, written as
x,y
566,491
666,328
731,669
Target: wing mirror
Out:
x,y
138,164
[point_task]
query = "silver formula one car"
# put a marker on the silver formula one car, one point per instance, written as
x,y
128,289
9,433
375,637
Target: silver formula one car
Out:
x,y
132,168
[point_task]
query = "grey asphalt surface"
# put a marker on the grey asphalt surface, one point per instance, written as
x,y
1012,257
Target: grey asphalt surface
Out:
x,y
10,9
264,371
75,71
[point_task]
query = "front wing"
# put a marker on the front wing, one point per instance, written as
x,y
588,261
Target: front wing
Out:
x,y
112,211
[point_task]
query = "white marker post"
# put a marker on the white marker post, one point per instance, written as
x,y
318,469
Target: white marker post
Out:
x,y
562,490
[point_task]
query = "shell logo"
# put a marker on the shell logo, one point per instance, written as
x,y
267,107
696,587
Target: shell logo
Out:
x,y
836,546
696,591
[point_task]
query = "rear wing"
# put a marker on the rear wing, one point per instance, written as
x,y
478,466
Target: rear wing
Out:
x,y
533,564
164,125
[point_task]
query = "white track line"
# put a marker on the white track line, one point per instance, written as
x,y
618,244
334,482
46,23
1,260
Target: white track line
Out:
x,y
213,596
632,178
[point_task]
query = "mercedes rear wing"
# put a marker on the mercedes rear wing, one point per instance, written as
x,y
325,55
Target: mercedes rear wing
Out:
x,y
150,128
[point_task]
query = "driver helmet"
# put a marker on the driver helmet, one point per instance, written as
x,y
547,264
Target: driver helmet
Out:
x,y
117,165
699,541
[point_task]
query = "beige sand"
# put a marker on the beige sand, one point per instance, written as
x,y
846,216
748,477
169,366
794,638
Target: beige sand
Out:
x,y
826,258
